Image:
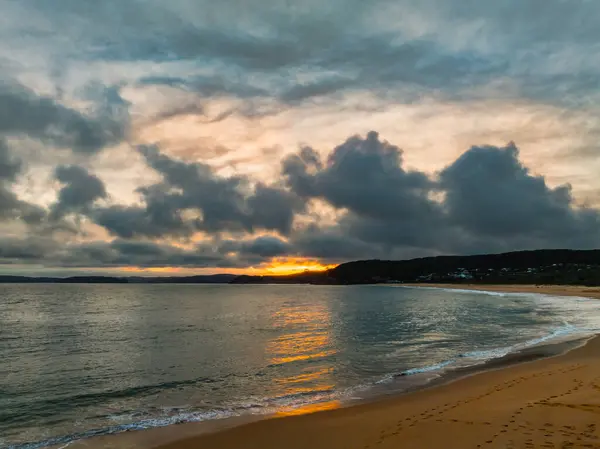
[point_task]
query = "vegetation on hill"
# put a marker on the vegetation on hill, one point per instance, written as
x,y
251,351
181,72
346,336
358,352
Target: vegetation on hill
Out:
x,y
576,267
552,266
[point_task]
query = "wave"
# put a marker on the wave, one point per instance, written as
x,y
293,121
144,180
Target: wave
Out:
x,y
48,407
482,356
181,418
501,294
181,415
269,405
459,290
138,420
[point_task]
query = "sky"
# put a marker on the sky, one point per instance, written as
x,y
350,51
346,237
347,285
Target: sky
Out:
x,y
249,136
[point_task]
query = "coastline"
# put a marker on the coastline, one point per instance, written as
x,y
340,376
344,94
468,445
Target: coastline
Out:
x,y
548,402
338,427
554,290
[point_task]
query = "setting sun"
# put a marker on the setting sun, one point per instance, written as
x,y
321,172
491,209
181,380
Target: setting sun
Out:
x,y
283,266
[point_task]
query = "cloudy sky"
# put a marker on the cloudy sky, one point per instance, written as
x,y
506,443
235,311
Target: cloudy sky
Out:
x,y
193,136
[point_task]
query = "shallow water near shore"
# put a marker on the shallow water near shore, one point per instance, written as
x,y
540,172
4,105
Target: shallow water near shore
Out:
x,y
86,360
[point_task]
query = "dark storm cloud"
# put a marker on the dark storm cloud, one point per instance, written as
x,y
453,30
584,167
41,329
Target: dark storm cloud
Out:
x,y
217,204
273,208
157,218
80,190
25,113
487,200
491,202
363,175
332,244
489,193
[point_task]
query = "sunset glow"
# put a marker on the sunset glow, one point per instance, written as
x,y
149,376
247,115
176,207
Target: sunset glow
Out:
x,y
286,266
187,147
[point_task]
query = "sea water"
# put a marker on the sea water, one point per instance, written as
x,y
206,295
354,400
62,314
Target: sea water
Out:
x,y
83,360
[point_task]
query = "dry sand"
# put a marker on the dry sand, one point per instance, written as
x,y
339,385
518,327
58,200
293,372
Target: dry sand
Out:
x,y
548,403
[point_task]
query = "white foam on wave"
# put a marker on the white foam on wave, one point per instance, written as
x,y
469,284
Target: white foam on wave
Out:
x,y
180,415
458,290
502,294
563,333
427,369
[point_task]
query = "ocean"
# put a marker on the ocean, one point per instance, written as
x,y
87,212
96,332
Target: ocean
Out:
x,y
85,360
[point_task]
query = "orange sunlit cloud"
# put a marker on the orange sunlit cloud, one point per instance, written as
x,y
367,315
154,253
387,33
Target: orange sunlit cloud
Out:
x,y
279,266
284,265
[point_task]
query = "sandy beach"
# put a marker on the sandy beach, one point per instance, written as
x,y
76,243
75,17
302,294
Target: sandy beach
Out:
x,y
551,403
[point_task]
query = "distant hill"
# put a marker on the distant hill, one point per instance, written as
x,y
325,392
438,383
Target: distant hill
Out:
x,y
205,279
552,266
549,266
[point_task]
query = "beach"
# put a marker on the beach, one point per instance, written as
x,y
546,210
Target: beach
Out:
x,y
520,402
556,290
553,403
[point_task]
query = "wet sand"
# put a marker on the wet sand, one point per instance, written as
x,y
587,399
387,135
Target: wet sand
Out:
x,y
520,401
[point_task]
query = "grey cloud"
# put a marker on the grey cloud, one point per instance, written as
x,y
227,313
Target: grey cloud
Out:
x,y
364,176
333,245
264,247
10,167
80,190
119,253
490,193
220,200
25,250
225,203
11,207
274,208
216,204
25,113
491,203
157,219
350,44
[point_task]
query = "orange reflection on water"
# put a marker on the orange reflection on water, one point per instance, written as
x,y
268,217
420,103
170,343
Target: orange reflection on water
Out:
x,y
296,358
315,317
300,346
309,408
305,377
307,337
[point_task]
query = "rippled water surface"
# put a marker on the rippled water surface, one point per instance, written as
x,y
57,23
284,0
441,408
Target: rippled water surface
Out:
x,y
82,360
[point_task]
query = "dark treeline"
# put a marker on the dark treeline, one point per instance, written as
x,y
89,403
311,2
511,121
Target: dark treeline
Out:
x,y
525,267
554,266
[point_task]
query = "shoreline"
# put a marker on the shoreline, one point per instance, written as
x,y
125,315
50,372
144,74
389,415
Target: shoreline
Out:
x,y
411,419
552,290
191,435
167,436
